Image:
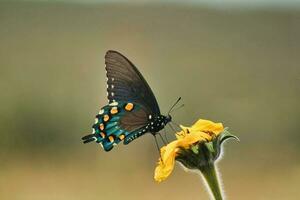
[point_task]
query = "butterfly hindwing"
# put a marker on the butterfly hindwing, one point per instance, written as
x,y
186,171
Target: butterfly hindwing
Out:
x,y
112,125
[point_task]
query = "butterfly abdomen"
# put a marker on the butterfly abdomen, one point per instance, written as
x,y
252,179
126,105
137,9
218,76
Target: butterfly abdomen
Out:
x,y
154,125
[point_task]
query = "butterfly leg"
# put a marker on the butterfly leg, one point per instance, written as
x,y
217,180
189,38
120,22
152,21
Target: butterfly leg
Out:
x,y
176,124
162,139
165,134
172,127
157,146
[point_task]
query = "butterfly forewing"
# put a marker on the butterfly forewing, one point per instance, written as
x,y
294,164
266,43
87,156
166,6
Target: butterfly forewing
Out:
x,y
125,83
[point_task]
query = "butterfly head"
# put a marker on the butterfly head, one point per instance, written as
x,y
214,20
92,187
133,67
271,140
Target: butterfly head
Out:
x,y
168,118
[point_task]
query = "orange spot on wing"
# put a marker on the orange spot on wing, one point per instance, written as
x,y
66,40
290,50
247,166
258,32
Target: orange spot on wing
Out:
x,y
121,137
101,126
102,135
114,110
105,118
129,106
111,138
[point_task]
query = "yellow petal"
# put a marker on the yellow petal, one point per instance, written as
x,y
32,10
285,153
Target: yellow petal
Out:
x,y
202,130
192,138
183,133
206,125
166,162
162,171
168,153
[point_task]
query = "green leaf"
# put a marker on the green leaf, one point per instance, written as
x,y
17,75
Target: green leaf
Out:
x,y
226,135
195,149
210,147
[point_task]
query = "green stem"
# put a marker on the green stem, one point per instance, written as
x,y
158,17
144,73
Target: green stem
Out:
x,y
212,179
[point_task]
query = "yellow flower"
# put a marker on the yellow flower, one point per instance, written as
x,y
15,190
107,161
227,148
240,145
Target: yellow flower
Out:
x,y
202,131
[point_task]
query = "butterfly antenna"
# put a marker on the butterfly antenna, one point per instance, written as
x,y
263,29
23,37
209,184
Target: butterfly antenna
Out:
x,y
174,105
181,106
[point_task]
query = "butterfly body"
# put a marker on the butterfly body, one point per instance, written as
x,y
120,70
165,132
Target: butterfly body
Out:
x,y
132,110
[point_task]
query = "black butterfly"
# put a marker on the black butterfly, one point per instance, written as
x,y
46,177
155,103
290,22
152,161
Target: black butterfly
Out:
x,y
132,110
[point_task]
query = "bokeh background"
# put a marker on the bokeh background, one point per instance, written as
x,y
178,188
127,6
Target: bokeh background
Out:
x,y
235,62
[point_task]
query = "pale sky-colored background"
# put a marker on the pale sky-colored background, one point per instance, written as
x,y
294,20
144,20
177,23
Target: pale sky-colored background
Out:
x,y
220,4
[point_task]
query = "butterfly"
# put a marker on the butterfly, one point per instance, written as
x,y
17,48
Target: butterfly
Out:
x,y
132,110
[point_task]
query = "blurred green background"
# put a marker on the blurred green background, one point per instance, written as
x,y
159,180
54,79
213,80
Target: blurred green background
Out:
x,y
230,64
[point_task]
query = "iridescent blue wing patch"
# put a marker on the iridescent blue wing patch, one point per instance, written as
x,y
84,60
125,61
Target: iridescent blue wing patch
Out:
x,y
116,122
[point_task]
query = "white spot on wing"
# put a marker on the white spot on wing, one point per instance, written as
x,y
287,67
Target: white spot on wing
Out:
x,y
101,112
112,86
150,116
112,79
96,120
113,103
112,94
